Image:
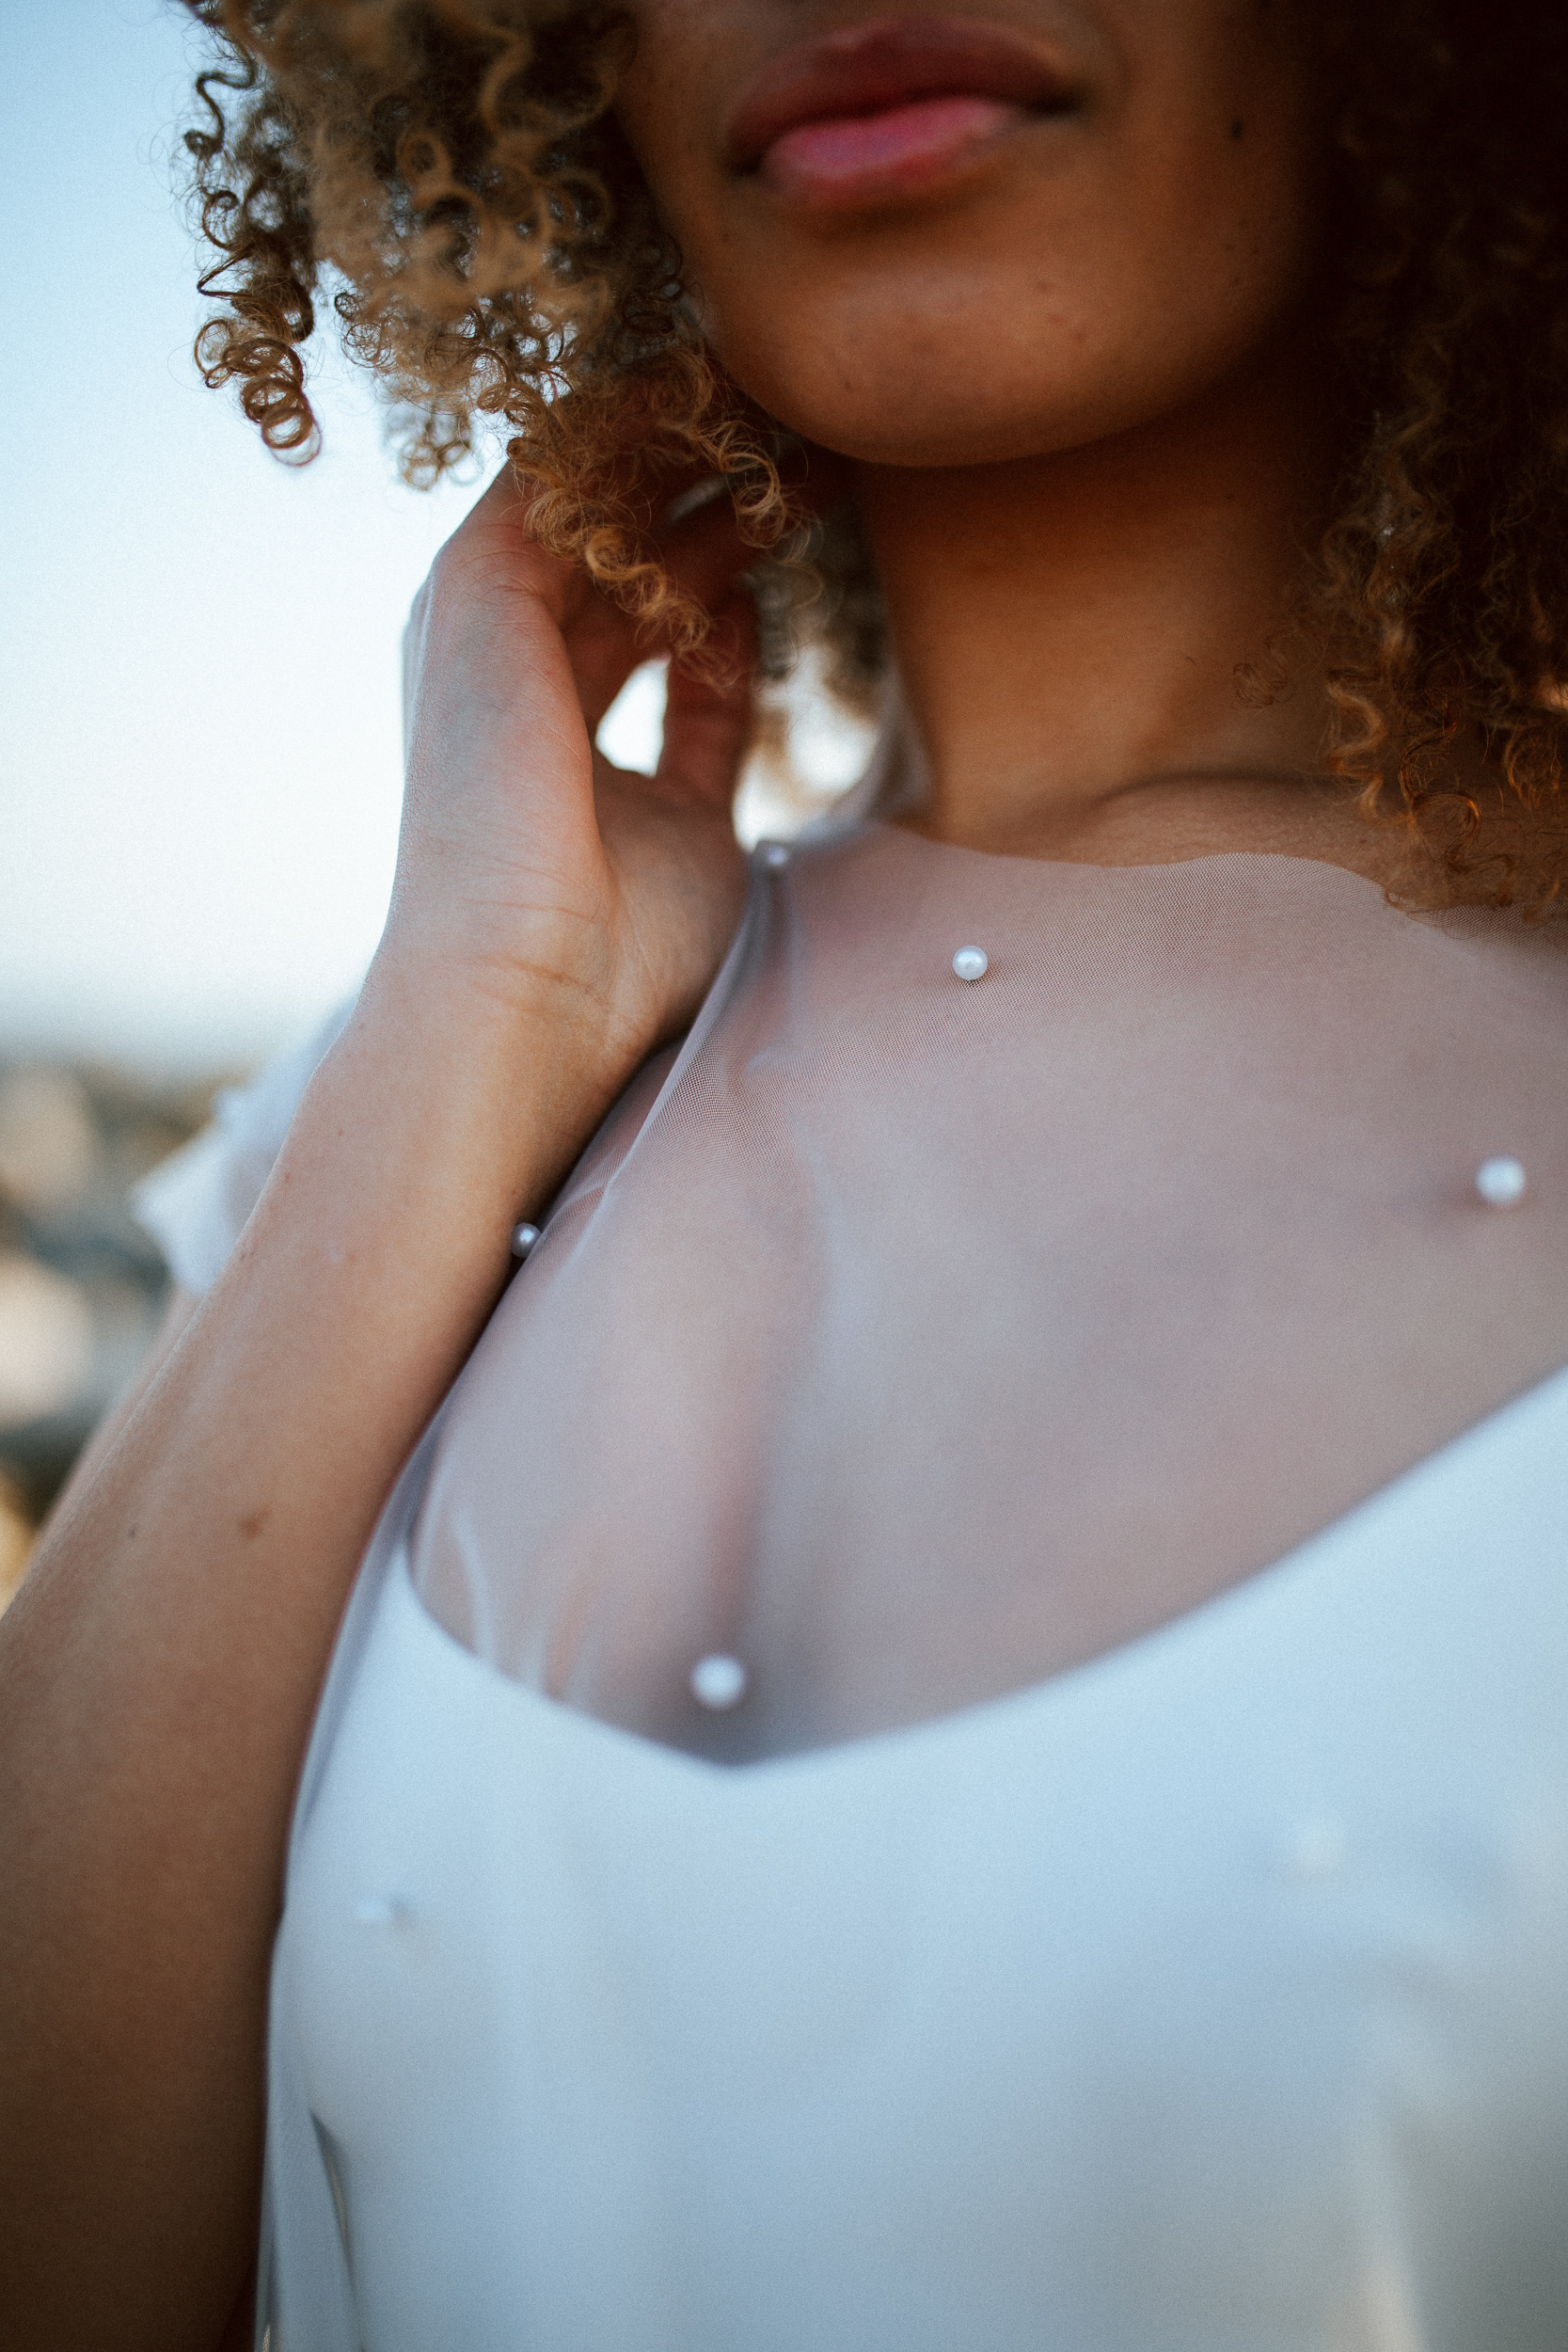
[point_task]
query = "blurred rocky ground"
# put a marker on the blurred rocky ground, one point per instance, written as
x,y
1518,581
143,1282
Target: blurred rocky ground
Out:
x,y
81,1285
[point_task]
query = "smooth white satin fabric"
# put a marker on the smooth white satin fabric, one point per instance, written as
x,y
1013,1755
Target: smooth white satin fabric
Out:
x,y
1212,1997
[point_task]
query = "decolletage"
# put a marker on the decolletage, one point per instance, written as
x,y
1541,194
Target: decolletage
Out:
x,y
909,1337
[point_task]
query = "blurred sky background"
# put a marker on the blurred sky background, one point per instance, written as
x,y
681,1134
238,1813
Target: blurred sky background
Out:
x,y
199,647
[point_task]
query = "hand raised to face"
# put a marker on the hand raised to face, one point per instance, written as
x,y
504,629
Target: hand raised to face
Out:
x,y
526,860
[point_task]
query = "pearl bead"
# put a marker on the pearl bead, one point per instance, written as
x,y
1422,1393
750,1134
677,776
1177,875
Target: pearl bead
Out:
x,y
523,1239
972,964
774,854
718,1682
1500,1183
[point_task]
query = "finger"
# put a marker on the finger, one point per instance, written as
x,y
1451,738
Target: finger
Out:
x,y
707,715
702,557
691,528
676,507
502,535
703,547
496,556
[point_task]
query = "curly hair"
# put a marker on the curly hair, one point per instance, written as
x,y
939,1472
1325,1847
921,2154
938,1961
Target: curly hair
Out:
x,y
452,172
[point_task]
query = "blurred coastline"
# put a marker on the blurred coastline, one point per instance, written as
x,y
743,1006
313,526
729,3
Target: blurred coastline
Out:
x,y
81,1286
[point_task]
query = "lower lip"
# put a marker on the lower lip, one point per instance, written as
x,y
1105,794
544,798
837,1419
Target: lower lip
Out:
x,y
852,160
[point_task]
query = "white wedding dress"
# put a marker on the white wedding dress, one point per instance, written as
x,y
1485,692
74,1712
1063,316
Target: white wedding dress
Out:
x,y
1121,1467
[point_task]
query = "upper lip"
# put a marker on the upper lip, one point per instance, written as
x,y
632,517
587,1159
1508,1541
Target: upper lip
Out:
x,y
891,63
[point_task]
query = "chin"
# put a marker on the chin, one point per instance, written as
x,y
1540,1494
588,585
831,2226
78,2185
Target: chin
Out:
x,y
963,406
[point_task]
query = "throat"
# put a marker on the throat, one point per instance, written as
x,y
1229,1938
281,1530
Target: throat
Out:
x,y
1097,647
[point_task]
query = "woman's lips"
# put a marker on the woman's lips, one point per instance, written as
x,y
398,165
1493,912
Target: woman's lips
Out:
x,y
855,159
890,107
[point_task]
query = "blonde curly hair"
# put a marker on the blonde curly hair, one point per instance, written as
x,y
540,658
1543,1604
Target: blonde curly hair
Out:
x,y
451,173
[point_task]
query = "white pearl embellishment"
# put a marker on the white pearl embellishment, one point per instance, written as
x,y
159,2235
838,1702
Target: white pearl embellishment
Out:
x,y
972,964
1500,1183
774,854
523,1239
718,1682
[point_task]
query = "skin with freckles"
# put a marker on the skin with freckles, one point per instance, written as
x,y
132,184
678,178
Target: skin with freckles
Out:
x,y
1114,259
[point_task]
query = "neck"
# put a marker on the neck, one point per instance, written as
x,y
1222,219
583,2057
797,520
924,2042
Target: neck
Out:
x,y
1073,633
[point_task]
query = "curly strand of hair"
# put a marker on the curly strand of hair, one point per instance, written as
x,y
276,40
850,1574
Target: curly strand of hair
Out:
x,y
453,164
254,231
571,455
1438,577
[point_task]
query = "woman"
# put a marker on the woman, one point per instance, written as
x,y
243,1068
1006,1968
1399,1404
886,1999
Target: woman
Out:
x,y
954,1736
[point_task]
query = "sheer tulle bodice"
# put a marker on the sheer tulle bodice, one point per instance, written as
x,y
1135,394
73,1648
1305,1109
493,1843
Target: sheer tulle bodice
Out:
x,y
908,1338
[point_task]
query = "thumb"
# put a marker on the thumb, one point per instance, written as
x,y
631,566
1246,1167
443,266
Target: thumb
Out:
x,y
708,710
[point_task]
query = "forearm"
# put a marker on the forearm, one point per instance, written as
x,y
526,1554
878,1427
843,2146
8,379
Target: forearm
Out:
x,y
158,1673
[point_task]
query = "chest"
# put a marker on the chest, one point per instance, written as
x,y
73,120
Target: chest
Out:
x,y
909,1340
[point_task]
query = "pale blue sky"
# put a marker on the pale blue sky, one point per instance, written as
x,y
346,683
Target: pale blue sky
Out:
x,y
199,758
